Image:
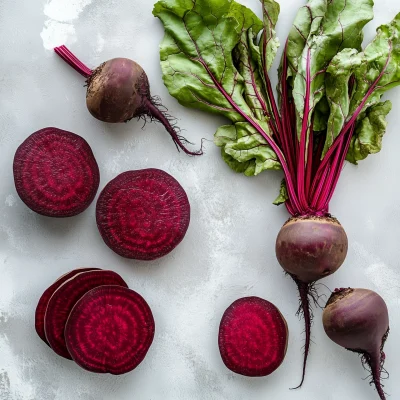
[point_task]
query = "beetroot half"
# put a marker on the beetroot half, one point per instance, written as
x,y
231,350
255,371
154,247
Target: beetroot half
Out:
x,y
253,337
143,214
110,330
64,299
55,173
45,298
358,320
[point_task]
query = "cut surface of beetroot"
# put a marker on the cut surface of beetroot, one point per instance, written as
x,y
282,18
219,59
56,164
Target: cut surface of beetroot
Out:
x,y
253,337
64,299
44,300
110,330
56,173
143,214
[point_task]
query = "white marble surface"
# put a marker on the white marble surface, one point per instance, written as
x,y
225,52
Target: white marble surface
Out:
x,y
229,249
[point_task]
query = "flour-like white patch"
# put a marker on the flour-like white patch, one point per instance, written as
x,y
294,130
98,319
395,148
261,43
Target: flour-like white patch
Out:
x,y
59,27
100,43
10,200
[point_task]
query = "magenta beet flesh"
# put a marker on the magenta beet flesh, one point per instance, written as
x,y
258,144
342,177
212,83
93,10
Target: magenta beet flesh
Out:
x,y
253,337
64,299
143,215
55,173
44,300
110,330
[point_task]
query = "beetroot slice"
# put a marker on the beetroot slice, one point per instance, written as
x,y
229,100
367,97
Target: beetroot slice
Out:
x,y
110,330
55,173
64,299
143,214
44,300
253,337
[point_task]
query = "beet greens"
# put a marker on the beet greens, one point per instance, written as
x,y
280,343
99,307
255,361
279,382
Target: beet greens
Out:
x,y
216,55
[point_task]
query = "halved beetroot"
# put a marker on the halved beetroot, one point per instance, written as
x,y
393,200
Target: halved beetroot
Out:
x,y
253,337
64,299
44,300
143,214
110,330
55,173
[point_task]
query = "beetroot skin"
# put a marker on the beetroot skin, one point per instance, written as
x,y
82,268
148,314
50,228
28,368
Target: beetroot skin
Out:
x,y
358,320
110,330
55,173
253,337
44,300
64,299
143,214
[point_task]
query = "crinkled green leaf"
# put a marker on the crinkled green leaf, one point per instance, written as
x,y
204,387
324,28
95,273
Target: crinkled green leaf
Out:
x,y
247,168
381,55
367,138
321,115
283,194
244,145
339,27
247,59
196,53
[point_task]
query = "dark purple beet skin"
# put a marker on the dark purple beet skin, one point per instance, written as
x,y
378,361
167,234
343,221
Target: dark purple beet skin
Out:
x,y
253,337
44,300
65,298
143,214
311,248
110,330
358,320
55,173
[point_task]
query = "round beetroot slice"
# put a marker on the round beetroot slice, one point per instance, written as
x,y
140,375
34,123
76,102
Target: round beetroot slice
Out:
x,y
64,299
55,173
44,300
110,330
143,214
253,337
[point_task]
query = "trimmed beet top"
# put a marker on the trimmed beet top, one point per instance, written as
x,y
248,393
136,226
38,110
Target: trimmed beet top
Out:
x,y
64,299
46,296
110,330
55,173
253,337
143,214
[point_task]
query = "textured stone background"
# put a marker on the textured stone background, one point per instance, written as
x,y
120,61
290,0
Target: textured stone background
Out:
x,y
229,249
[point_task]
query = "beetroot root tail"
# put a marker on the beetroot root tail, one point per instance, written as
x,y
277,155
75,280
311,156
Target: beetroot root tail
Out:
x,y
375,364
305,310
153,111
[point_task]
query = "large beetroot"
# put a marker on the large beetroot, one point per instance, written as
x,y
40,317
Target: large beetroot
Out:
x,y
65,298
119,90
253,337
46,296
143,214
55,173
110,330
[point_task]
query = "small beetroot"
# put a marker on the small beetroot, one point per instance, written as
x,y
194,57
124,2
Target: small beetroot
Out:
x,y
45,298
64,299
358,320
143,214
55,173
119,90
110,330
253,337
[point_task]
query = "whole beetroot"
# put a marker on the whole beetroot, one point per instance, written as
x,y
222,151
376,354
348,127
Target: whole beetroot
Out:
x,y
358,320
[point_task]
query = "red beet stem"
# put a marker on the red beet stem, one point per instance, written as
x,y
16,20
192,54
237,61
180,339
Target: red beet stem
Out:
x,y
304,291
73,61
154,112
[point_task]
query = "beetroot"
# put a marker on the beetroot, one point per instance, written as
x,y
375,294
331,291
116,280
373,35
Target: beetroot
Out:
x,y
310,248
55,173
143,214
64,299
119,90
253,337
110,330
358,320
44,300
